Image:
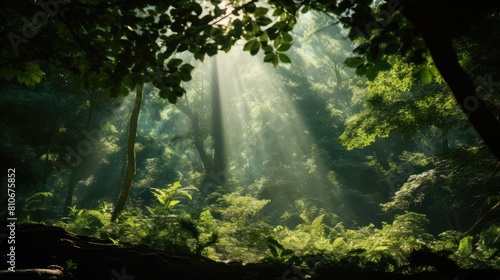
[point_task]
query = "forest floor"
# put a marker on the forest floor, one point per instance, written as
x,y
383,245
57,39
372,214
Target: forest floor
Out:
x,y
43,252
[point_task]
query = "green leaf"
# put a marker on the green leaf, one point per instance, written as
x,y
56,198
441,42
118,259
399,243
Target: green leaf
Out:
x,y
278,41
172,99
263,21
164,92
280,25
284,47
284,58
287,38
35,78
368,70
264,37
250,8
272,33
260,11
173,203
371,73
175,185
252,45
185,76
275,61
174,63
339,241
383,65
269,57
465,246
268,49
187,194
277,12
186,68
178,91
354,62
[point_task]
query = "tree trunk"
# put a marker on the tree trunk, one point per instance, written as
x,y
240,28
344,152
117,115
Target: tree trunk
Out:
x,y
76,170
129,175
338,75
197,137
219,166
71,189
464,91
434,22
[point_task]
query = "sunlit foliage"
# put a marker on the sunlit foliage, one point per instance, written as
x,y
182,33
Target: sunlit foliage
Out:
x,y
396,101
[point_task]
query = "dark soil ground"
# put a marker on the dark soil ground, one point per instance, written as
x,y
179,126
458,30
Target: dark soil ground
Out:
x,y
41,252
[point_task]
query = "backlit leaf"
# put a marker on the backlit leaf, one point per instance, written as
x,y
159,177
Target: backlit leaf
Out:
x,y
284,58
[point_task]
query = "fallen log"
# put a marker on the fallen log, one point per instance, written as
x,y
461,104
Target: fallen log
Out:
x,y
35,274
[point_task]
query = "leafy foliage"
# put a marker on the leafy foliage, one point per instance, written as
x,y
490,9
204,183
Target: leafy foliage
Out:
x,y
397,102
331,195
242,232
30,74
88,222
435,182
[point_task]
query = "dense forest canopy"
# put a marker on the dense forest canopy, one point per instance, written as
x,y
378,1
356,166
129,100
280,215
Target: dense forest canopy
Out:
x,y
131,42
256,131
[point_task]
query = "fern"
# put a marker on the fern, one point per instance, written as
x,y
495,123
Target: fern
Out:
x,y
36,200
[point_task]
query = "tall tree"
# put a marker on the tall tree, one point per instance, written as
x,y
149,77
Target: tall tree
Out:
x,y
444,21
130,172
219,166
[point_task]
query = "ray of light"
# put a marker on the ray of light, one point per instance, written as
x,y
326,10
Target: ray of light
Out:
x,y
266,135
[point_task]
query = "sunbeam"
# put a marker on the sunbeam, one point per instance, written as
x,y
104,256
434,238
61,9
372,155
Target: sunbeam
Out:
x,y
265,138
